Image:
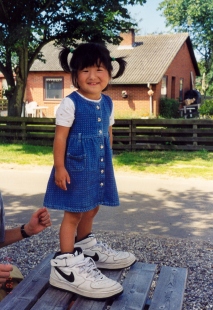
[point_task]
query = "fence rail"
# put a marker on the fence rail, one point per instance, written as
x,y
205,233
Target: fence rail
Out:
x,y
129,135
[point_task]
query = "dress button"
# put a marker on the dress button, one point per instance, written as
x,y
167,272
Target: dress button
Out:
x,y
99,119
102,159
100,131
102,171
102,184
97,107
101,146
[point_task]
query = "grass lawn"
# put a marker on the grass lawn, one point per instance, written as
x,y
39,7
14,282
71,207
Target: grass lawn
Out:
x,y
173,163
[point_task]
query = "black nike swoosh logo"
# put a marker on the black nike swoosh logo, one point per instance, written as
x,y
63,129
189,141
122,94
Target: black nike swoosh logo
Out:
x,y
94,257
69,277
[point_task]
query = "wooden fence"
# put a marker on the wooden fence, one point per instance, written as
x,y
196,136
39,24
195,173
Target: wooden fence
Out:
x,y
129,135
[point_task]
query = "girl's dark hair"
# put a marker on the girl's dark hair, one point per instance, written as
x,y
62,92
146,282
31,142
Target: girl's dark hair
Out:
x,y
87,55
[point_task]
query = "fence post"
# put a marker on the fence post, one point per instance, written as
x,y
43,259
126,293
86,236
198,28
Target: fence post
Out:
x,y
195,134
24,131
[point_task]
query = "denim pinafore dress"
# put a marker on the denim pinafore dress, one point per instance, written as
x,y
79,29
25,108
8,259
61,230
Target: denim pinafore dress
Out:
x,y
88,160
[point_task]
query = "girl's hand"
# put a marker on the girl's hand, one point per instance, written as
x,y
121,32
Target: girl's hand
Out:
x,y
62,178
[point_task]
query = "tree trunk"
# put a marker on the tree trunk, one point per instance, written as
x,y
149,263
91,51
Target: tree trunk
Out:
x,y
16,95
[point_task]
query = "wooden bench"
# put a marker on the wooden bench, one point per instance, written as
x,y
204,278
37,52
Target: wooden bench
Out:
x,y
35,293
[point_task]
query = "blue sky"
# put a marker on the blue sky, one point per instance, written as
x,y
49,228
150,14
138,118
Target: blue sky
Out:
x,y
151,19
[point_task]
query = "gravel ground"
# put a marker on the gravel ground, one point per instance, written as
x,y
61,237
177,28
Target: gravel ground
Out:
x,y
196,256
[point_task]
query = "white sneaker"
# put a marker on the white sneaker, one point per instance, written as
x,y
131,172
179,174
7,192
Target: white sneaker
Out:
x,y
103,255
75,273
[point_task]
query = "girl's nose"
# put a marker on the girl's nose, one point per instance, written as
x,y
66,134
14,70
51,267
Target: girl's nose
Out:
x,y
92,74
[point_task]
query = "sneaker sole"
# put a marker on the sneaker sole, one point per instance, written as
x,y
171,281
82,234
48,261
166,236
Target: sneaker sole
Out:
x,y
101,295
115,266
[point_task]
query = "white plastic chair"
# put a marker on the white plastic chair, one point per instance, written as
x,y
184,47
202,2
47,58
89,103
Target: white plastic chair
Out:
x,y
30,108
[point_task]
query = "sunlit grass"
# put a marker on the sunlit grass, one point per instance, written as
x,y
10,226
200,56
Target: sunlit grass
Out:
x,y
24,154
173,163
176,163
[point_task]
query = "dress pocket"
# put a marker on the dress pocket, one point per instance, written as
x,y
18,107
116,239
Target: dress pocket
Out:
x,y
76,163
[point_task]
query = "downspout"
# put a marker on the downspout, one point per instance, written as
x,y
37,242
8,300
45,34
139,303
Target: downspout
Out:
x,y
150,93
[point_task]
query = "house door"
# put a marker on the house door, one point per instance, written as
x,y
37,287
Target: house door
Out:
x,y
173,88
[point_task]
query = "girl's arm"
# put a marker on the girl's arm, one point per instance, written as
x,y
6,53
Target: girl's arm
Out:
x,y
59,146
110,136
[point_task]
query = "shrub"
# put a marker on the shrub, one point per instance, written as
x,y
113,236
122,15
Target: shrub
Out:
x,y
206,108
169,108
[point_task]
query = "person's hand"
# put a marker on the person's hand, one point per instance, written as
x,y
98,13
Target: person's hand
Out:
x,y
5,273
38,222
62,178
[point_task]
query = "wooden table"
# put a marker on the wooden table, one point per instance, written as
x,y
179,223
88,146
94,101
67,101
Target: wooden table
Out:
x,y
35,293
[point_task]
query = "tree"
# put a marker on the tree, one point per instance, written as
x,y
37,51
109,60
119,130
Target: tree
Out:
x,y
196,18
26,26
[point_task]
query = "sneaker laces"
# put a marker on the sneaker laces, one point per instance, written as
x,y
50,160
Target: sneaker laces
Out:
x,y
88,265
104,247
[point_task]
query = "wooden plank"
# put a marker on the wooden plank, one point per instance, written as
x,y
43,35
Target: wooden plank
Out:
x,y
41,128
32,286
54,299
85,303
170,289
172,131
136,287
172,139
125,147
40,135
164,122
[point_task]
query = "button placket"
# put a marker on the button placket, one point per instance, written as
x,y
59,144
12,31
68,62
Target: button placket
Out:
x,y
101,151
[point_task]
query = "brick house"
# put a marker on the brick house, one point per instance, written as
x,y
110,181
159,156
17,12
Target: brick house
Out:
x,y
157,65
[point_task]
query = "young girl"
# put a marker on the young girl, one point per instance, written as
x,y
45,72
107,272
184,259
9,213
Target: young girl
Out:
x,y
82,177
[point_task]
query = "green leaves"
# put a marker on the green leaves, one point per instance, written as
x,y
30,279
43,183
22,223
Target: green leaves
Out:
x,y
26,26
196,18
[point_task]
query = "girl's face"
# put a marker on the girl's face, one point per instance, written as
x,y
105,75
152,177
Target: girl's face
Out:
x,y
92,80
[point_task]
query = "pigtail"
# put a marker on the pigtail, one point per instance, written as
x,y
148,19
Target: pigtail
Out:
x,y
63,59
122,66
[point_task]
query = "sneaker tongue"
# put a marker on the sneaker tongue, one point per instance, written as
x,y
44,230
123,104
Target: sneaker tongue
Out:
x,y
77,251
91,235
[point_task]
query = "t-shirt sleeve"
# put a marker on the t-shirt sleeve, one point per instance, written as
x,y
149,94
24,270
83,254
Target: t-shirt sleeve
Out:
x,y
111,118
2,220
65,114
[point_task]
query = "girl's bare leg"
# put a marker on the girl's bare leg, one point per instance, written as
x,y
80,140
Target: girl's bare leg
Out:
x,y
85,225
67,231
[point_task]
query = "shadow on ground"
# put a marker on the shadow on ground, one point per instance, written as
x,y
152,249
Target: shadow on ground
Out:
x,y
168,214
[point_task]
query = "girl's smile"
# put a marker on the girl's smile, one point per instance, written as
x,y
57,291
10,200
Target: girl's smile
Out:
x,y
92,81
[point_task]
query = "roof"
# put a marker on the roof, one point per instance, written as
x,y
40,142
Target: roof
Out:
x,y
147,60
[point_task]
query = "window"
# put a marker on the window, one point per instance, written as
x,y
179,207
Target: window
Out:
x,y
53,88
164,86
181,90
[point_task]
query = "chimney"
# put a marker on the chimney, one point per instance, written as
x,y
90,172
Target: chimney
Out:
x,y
128,38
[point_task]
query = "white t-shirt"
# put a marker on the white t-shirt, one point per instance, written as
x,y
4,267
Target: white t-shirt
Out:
x,y
65,114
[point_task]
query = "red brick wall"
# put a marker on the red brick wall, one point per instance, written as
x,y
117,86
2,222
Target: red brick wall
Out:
x,y
180,68
136,105
35,89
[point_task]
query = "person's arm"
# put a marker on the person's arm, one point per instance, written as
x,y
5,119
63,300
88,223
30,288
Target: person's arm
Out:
x,y
61,175
37,223
110,136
